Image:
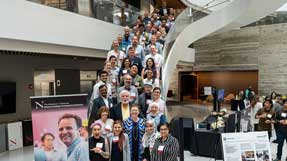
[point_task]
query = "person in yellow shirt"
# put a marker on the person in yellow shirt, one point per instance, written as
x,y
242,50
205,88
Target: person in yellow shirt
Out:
x,y
121,111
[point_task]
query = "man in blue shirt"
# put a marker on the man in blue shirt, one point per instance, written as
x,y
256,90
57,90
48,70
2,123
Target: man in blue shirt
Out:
x,y
138,49
69,133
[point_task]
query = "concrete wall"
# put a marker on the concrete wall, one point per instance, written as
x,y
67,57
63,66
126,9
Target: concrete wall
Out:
x,y
262,48
20,69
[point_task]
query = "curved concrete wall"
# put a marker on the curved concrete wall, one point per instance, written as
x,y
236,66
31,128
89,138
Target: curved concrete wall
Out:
x,y
238,13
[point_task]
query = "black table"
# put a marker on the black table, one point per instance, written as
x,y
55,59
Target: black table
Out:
x,y
207,143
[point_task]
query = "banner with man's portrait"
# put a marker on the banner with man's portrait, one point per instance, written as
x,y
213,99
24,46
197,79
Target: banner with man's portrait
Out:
x,y
60,130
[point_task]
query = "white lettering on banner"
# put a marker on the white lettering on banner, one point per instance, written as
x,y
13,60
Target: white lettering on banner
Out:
x,y
38,105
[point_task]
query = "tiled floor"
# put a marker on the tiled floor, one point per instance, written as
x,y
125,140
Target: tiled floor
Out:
x,y
198,112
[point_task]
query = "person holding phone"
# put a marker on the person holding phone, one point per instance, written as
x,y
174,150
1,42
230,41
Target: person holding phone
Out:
x,y
98,146
266,117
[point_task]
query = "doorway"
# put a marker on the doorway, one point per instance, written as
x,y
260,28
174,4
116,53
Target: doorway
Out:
x,y
67,81
63,81
188,86
44,82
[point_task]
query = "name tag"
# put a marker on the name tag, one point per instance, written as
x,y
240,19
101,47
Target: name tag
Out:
x,y
99,145
148,101
108,128
164,11
133,94
269,116
283,115
121,57
125,71
160,149
115,139
137,84
151,147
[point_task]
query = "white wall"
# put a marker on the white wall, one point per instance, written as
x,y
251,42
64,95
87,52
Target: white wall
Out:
x,y
32,22
45,48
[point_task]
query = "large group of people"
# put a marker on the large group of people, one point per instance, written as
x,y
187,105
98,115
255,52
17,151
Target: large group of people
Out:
x,y
266,113
127,115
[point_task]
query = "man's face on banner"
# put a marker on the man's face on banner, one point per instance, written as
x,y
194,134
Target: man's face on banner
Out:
x,y
68,131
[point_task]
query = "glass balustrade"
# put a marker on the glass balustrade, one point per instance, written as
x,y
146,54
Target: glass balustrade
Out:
x,y
114,11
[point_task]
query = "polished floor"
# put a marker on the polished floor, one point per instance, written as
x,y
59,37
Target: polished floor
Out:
x,y
198,112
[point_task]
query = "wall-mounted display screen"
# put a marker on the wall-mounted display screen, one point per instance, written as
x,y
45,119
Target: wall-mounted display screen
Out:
x,y
7,97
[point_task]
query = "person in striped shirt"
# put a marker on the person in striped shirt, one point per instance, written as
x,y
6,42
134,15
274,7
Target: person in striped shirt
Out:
x,y
166,147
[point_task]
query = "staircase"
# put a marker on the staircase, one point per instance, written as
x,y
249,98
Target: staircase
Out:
x,y
235,15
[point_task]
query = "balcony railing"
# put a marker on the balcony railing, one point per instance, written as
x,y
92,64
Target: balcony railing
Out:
x,y
113,11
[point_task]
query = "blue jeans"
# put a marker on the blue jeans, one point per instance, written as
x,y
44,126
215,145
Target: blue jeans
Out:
x,y
281,137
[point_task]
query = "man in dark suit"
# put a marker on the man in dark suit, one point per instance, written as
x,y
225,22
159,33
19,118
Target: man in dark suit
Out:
x,y
163,10
145,99
102,100
121,111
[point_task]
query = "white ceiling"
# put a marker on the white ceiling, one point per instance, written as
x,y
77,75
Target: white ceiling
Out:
x,y
212,5
283,8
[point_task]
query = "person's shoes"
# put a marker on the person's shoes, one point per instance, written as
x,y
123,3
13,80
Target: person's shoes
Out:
x,y
275,141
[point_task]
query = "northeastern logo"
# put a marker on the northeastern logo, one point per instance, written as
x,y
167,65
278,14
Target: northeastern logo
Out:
x,y
39,105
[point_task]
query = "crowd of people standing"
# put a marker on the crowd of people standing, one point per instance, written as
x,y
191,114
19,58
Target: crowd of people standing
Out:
x,y
127,116
268,113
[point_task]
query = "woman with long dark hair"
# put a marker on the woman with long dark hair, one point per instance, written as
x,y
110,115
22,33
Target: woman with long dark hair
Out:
x,y
151,79
119,143
125,67
150,64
